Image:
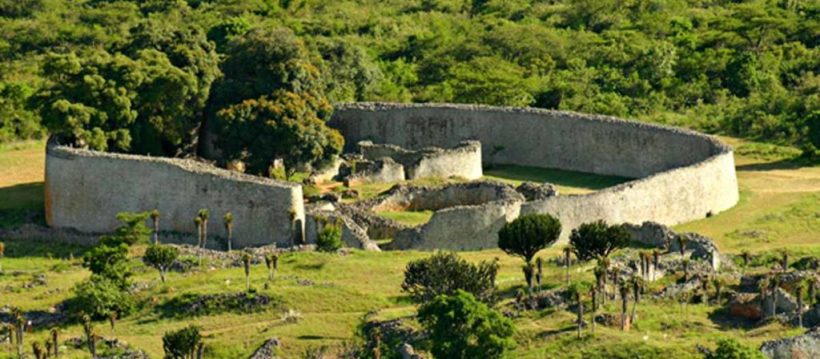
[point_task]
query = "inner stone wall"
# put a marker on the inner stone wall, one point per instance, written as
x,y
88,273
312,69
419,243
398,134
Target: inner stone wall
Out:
x,y
463,160
683,175
85,190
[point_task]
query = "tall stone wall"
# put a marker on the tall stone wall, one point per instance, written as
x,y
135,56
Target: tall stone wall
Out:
x,y
85,190
682,175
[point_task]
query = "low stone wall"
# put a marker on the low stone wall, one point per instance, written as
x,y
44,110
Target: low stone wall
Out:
x,y
85,190
682,175
462,160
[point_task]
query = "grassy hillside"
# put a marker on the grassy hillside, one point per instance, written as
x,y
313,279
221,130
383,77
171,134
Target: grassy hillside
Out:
x,y
333,292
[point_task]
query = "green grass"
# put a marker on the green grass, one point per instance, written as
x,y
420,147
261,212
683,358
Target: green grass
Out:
x,y
412,218
778,209
567,182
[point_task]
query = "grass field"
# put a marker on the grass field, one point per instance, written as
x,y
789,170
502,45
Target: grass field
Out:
x,y
779,208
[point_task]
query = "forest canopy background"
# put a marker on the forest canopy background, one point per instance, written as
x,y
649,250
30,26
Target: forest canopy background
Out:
x,y
742,68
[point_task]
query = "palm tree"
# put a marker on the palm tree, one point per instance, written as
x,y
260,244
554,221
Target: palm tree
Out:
x,y
203,213
682,241
637,288
90,336
539,275
228,220
774,283
624,303
155,221
600,283
593,292
54,339
272,262
799,294
718,283
246,261
784,261
656,260
528,274
567,258
198,223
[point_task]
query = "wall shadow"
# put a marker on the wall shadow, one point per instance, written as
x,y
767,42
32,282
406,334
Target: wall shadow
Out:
x,y
554,176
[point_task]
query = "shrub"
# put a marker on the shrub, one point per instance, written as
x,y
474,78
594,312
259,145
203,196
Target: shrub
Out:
x,y
109,261
160,257
99,296
528,234
597,240
446,273
731,349
460,326
183,343
330,237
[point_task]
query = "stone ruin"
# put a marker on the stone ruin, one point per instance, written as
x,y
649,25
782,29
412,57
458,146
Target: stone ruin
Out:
x,y
386,163
466,216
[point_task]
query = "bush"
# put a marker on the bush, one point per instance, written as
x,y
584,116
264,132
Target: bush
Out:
x,y
731,349
528,234
160,257
446,273
330,237
597,240
99,296
183,343
460,326
109,261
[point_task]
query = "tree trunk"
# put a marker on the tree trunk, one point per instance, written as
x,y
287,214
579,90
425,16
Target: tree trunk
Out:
x,y
580,315
594,308
800,305
230,233
624,307
156,231
162,274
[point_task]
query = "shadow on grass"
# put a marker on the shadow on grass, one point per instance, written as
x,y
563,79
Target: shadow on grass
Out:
x,y
22,196
554,176
784,164
319,337
193,304
42,247
553,332
726,321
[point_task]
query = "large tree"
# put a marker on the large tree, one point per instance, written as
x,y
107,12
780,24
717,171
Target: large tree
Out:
x,y
283,125
461,326
597,240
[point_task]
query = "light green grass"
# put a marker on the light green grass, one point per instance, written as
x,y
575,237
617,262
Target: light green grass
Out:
x,y
779,198
412,218
567,182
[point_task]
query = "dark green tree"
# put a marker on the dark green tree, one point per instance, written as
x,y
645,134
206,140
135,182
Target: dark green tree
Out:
x,y
161,257
732,349
284,125
445,273
597,240
527,235
185,343
461,326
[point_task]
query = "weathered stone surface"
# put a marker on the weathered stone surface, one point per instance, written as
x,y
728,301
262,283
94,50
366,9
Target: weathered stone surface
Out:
x,y
383,169
468,215
86,189
353,235
267,350
806,346
536,191
684,175
651,233
463,160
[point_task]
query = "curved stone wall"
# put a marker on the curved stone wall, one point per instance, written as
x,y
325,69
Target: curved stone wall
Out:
x,y
86,189
682,175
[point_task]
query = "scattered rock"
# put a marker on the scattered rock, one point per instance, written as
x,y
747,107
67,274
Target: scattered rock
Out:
x,y
746,306
267,350
537,191
805,346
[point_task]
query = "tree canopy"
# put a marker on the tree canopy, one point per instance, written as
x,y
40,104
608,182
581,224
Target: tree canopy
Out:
x,y
597,240
526,235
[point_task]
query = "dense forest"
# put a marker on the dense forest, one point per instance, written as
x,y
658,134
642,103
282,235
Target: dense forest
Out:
x,y
141,76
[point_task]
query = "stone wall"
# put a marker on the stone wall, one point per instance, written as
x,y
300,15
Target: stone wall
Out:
x,y
85,190
463,160
682,175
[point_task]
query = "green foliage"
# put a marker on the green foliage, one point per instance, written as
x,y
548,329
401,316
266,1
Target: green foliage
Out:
x,y
732,349
109,261
460,326
528,234
161,257
597,240
182,344
329,238
132,230
99,296
284,126
445,273
17,122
